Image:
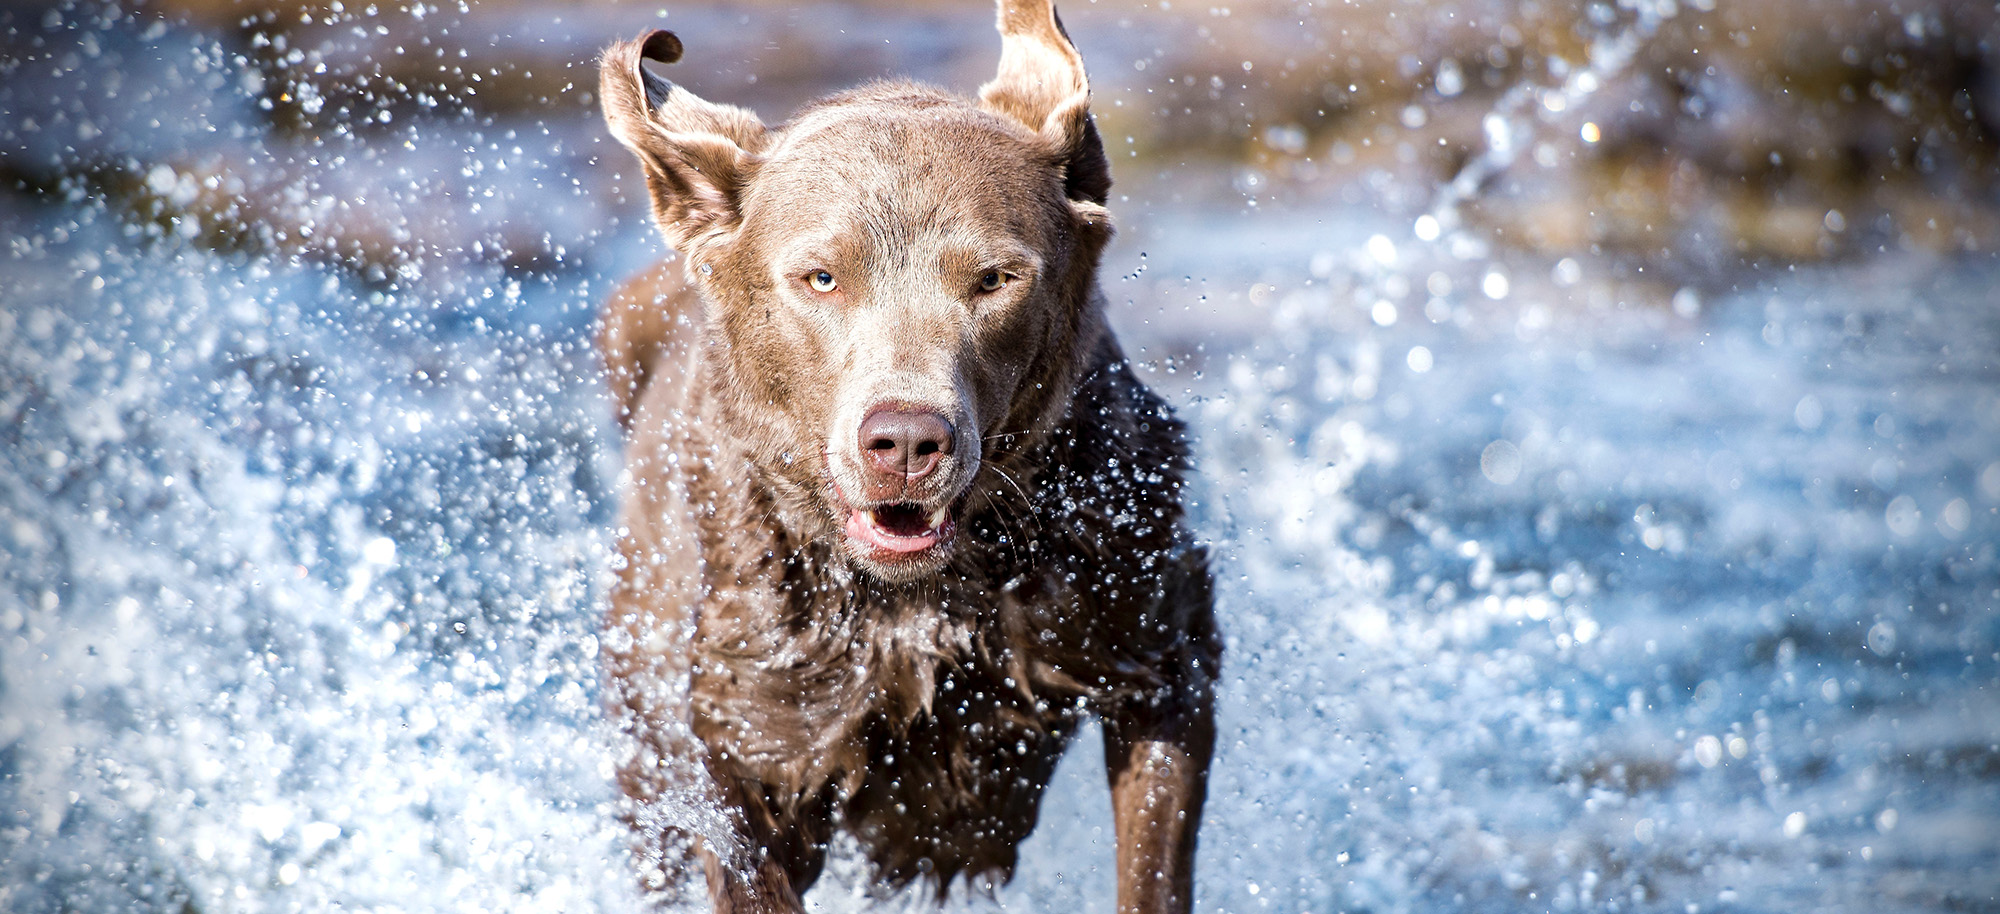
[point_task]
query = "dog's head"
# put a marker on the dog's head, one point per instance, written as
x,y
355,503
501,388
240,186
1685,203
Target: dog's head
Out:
x,y
897,282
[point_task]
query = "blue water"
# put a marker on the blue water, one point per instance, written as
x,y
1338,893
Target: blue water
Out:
x,y
1590,595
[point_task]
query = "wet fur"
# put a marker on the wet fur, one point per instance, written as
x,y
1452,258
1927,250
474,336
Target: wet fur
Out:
x,y
923,716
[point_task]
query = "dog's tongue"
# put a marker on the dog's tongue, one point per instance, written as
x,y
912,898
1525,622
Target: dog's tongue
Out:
x,y
861,525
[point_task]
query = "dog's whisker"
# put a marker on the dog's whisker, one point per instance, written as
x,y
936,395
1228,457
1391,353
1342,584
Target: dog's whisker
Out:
x,y
1013,519
1021,513
1003,474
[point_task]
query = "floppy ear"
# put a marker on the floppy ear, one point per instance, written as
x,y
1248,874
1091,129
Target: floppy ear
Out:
x,y
698,156
1041,84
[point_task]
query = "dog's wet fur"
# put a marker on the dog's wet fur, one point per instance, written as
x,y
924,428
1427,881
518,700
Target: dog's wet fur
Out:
x,y
897,514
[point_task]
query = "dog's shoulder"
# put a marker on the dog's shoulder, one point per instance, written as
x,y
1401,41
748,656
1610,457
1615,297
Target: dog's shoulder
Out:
x,y
1120,442
647,326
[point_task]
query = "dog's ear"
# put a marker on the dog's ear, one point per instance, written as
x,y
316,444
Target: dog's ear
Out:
x,y
1041,84
698,155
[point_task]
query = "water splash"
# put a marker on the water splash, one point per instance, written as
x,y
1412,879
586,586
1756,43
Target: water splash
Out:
x,y
1511,126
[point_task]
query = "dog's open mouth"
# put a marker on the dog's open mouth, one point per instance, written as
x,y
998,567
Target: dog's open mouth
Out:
x,y
902,528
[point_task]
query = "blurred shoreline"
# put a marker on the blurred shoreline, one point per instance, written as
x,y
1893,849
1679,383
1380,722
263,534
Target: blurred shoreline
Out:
x,y
1721,139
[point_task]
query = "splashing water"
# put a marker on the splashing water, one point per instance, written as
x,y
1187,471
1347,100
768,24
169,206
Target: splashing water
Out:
x,y
1512,123
1530,607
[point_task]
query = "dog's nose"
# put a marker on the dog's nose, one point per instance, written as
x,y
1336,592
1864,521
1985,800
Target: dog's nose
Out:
x,y
905,443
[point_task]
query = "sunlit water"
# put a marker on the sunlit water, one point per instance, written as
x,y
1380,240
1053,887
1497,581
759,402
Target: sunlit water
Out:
x,y
1536,599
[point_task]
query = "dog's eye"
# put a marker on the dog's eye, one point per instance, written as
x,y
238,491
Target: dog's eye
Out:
x,y
821,281
992,281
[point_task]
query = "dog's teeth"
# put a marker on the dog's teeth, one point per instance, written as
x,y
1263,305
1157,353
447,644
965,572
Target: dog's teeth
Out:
x,y
937,517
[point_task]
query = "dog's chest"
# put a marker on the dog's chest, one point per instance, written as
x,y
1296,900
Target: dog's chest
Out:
x,y
797,691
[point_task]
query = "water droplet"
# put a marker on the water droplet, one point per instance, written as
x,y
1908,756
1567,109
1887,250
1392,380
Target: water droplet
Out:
x,y
1902,516
1500,462
379,551
1450,78
1881,638
1957,515
1808,414
1708,751
1382,250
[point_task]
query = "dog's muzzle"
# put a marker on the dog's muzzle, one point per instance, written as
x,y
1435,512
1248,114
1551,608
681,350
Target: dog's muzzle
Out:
x,y
904,511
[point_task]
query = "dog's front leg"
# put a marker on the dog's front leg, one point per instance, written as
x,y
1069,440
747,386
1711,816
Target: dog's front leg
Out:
x,y
762,888
1157,757
752,870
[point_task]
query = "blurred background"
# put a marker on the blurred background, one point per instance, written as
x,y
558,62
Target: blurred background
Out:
x,y
1598,404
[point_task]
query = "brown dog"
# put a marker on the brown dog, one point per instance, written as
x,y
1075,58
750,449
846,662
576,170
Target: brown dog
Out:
x,y
897,514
